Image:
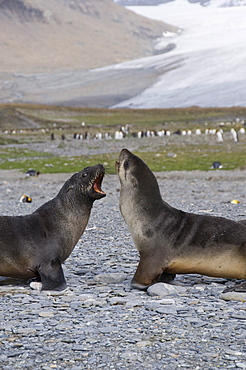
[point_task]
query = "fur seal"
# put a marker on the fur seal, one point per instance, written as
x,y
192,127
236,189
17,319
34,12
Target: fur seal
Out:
x,y
171,241
36,245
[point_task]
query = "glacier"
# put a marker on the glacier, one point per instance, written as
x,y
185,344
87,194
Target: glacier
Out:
x,y
209,55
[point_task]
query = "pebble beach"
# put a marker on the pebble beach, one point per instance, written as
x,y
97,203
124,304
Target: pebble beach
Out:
x,y
99,321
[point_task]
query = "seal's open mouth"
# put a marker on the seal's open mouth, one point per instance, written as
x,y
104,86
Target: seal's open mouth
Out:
x,y
98,183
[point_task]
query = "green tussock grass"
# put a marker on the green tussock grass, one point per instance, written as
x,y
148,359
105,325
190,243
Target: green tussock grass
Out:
x,y
54,164
196,158
190,155
18,154
188,158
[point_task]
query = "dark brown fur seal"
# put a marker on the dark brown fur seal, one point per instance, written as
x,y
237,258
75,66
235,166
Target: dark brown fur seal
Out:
x,y
36,245
171,241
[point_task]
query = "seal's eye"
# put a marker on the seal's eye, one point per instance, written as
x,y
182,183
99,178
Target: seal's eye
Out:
x,y
84,174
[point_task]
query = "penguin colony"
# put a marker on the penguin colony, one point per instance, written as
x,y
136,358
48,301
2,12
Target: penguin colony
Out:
x,y
124,131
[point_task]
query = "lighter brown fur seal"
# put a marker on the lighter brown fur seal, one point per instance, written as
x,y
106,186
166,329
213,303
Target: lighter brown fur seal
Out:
x,y
171,241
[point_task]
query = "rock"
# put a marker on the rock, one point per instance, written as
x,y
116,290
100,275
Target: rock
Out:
x,y
36,285
143,343
46,314
161,307
167,301
163,289
240,315
87,296
166,310
117,300
241,365
110,278
233,296
26,331
134,303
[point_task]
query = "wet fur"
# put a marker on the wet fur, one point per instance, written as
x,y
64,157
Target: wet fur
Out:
x,y
36,245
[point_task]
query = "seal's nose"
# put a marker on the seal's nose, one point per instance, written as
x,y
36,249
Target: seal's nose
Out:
x,y
124,154
117,166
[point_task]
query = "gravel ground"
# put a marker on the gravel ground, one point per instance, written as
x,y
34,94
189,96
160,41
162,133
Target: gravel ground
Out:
x,y
99,322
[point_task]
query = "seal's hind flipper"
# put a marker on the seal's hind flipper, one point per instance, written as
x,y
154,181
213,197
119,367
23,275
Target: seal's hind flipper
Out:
x,y
166,278
52,276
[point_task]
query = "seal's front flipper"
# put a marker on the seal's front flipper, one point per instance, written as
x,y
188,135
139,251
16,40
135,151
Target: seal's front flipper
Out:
x,y
52,276
240,288
166,278
136,285
147,273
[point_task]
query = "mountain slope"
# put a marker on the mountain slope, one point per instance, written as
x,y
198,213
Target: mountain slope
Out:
x,y
37,36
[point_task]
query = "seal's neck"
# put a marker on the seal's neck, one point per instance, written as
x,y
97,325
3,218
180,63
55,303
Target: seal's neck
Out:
x,y
66,214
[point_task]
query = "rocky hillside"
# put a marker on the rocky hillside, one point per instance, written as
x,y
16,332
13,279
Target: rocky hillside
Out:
x,y
56,35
